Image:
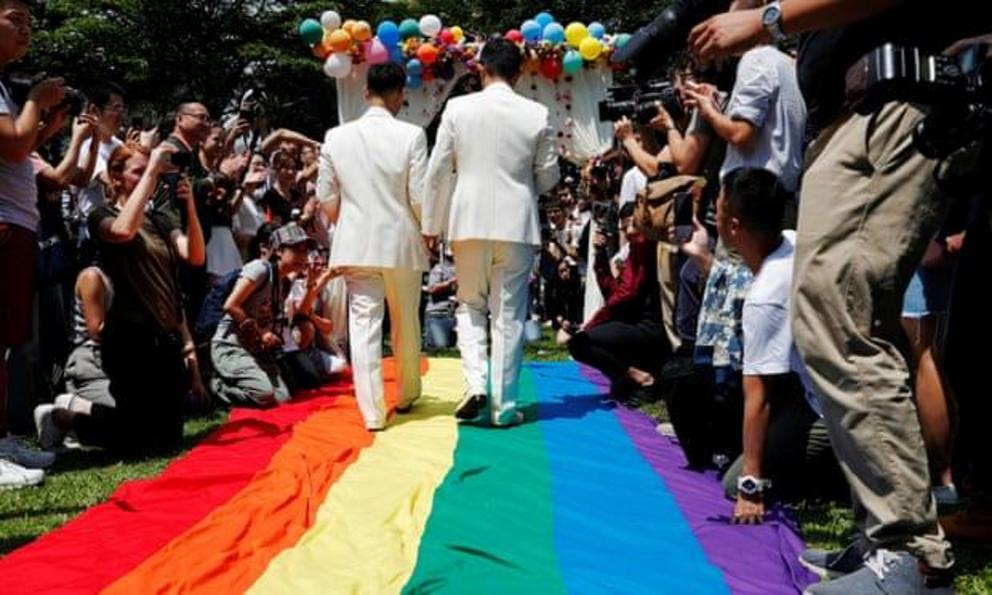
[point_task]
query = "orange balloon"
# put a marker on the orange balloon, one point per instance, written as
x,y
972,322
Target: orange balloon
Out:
x,y
362,31
349,27
339,40
322,50
427,53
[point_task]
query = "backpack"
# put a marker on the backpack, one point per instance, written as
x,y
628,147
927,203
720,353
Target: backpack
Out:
x,y
212,309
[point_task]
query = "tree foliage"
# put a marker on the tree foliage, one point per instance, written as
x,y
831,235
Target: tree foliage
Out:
x,y
167,51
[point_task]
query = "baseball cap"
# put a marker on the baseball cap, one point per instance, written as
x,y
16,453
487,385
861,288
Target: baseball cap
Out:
x,y
289,235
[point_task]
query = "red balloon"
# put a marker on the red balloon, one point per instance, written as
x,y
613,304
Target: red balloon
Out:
x,y
447,37
551,68
427,53
514,35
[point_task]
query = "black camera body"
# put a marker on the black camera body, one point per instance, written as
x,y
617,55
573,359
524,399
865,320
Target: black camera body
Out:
x,y
21,84
639,102
954,87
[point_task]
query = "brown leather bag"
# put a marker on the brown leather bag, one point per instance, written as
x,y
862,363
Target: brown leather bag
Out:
x,y
654,209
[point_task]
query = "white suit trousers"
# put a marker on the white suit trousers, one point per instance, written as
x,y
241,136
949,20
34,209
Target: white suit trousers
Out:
x,y
492,280
369,291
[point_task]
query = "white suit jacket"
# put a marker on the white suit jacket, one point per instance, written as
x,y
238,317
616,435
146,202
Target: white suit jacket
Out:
x,y
495,153
374,168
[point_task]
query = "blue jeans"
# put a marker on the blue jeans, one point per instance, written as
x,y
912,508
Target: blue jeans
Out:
x,y
438,329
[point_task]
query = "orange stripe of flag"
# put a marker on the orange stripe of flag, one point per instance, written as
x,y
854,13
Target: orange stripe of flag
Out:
x,y
232,546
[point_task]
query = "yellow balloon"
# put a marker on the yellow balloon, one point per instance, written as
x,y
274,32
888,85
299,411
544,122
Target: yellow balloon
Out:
x,y
575,33
590,48
457,33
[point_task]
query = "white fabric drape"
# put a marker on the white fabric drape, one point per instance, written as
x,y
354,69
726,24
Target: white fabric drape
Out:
x,y
572,103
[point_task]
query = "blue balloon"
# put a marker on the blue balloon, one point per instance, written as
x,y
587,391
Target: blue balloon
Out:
x,y
544,19
389,33
414,82
554,33
597,30
396,55
414,68
531,31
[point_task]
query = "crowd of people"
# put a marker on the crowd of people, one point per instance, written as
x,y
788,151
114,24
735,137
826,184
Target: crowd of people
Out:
x,y
783,271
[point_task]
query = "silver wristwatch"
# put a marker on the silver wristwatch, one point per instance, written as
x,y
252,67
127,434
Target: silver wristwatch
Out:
x,y
771,20
750,485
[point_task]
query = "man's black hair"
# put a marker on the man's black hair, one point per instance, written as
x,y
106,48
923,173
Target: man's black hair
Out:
x,y
99,94
501,57
383,79
756,198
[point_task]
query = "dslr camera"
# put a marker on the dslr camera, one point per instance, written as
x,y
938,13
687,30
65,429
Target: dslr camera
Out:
x,y
639,102
954,87
21,84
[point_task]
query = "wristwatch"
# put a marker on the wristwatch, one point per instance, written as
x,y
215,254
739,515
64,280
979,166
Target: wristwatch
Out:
x,y
771,20
750,485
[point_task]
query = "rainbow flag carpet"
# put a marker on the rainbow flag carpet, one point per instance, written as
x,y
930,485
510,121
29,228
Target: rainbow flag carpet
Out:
x,y
583,498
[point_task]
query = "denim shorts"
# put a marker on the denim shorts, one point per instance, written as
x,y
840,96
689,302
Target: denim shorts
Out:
x,y
928,294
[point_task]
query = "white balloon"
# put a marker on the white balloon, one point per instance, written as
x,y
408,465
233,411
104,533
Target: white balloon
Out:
x,y
338,65
330,20
430,25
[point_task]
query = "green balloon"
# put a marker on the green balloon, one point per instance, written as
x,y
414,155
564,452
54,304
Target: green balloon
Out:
x,y
623,39
572,62
311,32
409,28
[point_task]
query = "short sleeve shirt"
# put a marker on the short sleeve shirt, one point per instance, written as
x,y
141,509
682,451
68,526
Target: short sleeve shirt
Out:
x,y
18,187
260,303
766,94
768,345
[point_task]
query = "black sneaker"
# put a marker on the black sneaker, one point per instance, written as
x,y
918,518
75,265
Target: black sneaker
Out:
x,y
832,564
471,407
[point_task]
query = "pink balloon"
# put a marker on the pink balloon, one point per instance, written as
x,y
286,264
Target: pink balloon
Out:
x,y
375,52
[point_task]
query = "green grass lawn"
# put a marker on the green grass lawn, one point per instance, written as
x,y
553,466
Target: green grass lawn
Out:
x,y
81,479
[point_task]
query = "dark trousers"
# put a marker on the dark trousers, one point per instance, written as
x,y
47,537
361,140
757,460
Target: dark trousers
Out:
x,y
148,381
613,347
707,415
968,330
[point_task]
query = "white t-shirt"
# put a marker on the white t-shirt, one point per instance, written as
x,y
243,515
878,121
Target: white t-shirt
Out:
x,y
766,94
768,346
633,182
18,187
92,196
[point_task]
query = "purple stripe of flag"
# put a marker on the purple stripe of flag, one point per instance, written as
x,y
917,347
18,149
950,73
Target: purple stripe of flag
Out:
x,y
758,560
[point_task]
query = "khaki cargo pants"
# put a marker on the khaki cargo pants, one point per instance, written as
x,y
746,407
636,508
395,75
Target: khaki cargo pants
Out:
x,y
868,208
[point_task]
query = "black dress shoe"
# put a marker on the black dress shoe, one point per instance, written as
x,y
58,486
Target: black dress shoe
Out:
x,y
471,407
408,408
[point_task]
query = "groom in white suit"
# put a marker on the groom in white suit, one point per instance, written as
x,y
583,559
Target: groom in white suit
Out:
x,y
371,182
494,155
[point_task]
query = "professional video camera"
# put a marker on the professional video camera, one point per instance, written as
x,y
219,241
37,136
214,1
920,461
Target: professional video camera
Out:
x,y
639,102
650,46
955,88
21,84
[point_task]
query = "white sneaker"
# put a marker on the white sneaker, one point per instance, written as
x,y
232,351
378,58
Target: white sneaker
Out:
x,y
13,476
49,434
14,450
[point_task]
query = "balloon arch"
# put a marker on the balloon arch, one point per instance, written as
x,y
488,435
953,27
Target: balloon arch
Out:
x,y
566,68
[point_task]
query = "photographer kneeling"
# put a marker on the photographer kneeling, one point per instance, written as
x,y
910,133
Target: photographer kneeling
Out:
x,y
141,337
246,346
626,338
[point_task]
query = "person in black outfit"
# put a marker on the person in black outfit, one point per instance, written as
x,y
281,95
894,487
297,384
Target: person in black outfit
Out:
x,y
625,339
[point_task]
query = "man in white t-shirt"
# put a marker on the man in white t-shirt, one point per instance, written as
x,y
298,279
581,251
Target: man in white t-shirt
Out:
x,y
783,432
106,101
